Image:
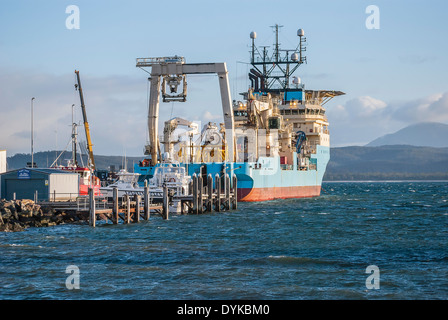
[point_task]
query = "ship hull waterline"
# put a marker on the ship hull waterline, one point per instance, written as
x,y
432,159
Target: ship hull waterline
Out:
x,y
273,193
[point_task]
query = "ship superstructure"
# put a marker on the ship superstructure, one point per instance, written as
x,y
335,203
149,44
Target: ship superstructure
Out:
x,y
275,140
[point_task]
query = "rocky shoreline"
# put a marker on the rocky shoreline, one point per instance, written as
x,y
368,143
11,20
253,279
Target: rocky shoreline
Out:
x,y
18,215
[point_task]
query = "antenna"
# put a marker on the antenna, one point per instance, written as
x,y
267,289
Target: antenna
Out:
x,y
276,45
253,36
302,44
271,73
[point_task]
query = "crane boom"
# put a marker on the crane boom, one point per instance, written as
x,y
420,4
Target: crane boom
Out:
x,y
86,124
163,67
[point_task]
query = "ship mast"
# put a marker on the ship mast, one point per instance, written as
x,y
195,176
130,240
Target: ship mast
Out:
x,y
272,73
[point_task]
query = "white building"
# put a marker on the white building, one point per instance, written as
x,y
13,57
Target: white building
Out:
x,y
2,161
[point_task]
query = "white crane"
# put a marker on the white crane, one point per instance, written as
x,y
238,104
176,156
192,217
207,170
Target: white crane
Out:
x,y
173,70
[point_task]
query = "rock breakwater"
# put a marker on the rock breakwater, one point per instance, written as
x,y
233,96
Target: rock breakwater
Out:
x,y
17,215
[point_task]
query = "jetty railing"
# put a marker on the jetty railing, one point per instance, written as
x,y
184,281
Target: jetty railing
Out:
x,y
218,194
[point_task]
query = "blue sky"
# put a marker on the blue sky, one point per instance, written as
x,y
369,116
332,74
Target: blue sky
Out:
x,y
393,77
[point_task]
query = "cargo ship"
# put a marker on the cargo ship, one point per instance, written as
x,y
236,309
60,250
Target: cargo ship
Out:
x,y
275,140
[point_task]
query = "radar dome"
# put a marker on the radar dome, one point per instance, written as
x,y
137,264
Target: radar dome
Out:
x,y
253,35
300,32
294,56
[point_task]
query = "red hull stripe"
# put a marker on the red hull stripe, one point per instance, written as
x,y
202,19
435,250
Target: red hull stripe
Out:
x,y
263,194
84,190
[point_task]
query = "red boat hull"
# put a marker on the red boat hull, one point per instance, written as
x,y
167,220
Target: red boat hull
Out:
x,y
264,194
84,190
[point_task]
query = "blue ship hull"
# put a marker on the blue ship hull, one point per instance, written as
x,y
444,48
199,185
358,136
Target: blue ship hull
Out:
x,y
265,179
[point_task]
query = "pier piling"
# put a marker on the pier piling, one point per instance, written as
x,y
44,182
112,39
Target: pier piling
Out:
x,y
205,194
210,193
137,208
92,213
147,211
218,193
200,192
227,192
235,192
166,203
115,210
128,209
195,194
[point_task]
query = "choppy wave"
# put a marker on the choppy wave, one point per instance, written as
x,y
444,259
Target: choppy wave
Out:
x,y
284,249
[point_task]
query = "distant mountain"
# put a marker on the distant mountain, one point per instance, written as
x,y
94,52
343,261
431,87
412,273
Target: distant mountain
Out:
x,y
398,162
46,158
429,134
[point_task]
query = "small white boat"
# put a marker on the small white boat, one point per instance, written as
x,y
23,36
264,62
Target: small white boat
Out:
x,y
174,178
127,184
166,174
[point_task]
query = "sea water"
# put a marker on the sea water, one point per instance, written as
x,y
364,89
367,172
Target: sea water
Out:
x,y
318,248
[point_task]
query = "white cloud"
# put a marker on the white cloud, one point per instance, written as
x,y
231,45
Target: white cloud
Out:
x,y
363,119
416,59
208,116
363,107
117,112
114,105
431,108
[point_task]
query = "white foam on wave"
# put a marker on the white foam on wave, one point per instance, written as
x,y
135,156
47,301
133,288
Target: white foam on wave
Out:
x,y
278,257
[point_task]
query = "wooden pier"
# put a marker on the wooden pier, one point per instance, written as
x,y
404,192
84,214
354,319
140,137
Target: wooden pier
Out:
x,y
203,196
127,209
208,197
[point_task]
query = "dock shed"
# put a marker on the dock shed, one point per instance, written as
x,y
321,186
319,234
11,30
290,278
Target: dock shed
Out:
x,y
48,184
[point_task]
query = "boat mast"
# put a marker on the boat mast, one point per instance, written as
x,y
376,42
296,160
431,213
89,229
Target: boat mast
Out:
x,y
74,139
